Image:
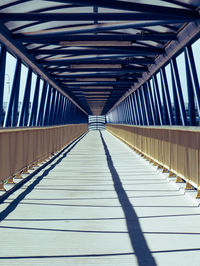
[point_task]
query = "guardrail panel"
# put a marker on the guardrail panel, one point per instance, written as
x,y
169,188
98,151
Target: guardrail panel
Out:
x,y
21,147
177,149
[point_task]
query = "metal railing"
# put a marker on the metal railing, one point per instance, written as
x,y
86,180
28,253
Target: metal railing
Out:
x,y
23,148
175,149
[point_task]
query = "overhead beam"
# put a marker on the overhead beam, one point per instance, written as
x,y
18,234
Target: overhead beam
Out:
x,y
97,75
98,70
116,83
97,91
132,51
95,60
131,6
140,16
101,37
97,28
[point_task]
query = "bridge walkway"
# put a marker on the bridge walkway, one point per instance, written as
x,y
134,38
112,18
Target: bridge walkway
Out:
x,y
99,203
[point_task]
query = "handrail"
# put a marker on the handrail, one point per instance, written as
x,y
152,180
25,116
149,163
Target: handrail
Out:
x,y
22,148
175,149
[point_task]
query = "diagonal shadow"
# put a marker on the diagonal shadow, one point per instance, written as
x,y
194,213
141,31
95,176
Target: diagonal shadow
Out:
x,y
138,242
12,206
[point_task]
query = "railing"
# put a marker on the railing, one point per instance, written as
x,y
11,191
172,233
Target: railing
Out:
x,y
176,150
23,148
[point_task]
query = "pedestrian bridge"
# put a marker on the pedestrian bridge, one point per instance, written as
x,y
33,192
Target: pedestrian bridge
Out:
x,y
99,132
99,203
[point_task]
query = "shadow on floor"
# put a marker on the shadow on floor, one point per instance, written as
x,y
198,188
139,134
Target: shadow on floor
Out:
x,y
12,206
138,242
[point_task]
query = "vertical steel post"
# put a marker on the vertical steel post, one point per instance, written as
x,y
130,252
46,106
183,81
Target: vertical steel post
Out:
x,y
55,117
190,90
23,120
134,110
167,96
195,80
143,107
40,121
176,105
151,101
12,112
147,103
179,91
53,100
34,110
131,110
137,109
157,99
47,107
2,81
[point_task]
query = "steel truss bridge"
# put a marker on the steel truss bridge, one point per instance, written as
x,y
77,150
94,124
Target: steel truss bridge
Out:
x,y
126,195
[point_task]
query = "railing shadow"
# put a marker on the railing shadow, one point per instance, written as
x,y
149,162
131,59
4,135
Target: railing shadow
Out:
x,y
138,242
12,206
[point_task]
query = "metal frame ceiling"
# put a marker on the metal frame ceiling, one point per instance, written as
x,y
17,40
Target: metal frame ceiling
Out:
x,y
93,51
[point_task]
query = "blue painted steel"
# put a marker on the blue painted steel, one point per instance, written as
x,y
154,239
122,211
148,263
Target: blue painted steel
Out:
x,y
66,111
179,91
47,106
157,98
195,80
147,114
56,108
165,85
125,112
34,110
151,100
147,103
140,107
2,79
137,108
132,121
143,107
190,89
12,112
40,121
23,120
60,109
164,105
53,99
134,109
176,105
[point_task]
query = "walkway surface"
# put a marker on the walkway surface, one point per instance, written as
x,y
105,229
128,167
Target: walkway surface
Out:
x,y
99,204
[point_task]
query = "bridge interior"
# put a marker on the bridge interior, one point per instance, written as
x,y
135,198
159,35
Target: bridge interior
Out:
x,y
114,196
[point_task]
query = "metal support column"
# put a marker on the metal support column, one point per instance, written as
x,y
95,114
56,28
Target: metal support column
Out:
x,y
179,91
23,121
34,110
2,79
190,90
12,112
